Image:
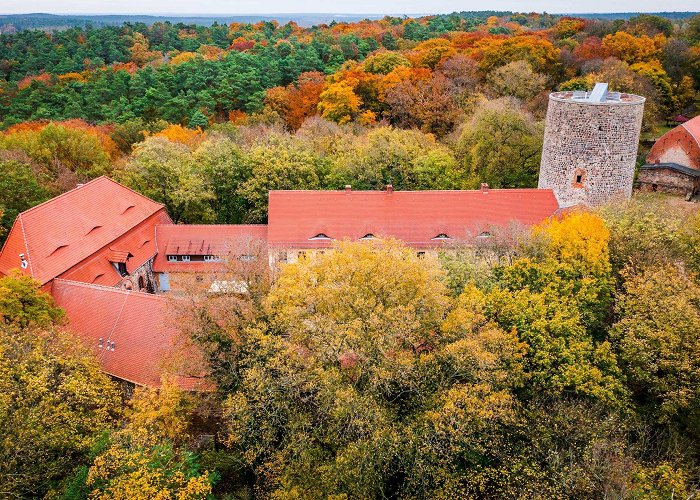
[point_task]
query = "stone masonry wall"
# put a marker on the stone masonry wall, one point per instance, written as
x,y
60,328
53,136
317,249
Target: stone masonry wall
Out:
x,y
590,149
668,181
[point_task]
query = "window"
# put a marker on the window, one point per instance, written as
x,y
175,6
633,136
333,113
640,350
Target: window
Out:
x,y
368,236
484,234
282,257
99,342
210,258
441,236
579,178
301,255
142,283
185,258
172,258
246,258
121,268
421,255
320,236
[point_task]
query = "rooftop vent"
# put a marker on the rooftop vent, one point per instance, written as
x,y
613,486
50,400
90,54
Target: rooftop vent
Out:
x,y
484,188
128,208
93,229
23,261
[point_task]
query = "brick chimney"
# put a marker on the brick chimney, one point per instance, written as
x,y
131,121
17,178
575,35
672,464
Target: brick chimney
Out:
x,y
484,188
389,188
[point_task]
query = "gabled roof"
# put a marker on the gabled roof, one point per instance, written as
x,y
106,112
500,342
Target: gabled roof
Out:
x,y
145,341
296,218
217,240
138,241
65,230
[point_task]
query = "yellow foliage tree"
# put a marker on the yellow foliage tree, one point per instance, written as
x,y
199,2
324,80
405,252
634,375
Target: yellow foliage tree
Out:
x,y
339,102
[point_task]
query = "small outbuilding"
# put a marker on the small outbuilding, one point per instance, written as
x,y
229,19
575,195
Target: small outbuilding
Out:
x,y
673,164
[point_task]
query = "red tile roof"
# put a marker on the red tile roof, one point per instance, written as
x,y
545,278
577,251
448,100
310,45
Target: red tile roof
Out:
x,y
416,217
146,343
219,240
65,230
139,241
680,145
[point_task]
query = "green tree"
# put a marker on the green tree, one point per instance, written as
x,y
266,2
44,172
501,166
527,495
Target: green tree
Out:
x,y
280,163
501,146
658,339
19,191
166,172
55,402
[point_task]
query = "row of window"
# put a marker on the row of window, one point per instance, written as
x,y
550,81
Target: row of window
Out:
x,y
370,236
206,258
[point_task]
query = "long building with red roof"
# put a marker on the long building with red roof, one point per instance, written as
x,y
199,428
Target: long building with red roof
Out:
x,y
108,254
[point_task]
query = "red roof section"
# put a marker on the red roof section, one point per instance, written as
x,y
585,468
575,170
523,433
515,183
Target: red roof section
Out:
x,y
60,233
416,217
139,242
680,145
145,342
218,240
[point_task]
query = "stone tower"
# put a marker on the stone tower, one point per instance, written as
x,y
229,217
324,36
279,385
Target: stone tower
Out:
x,y
590,145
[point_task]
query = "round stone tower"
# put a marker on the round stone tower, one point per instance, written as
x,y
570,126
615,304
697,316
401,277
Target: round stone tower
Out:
x,y
590,145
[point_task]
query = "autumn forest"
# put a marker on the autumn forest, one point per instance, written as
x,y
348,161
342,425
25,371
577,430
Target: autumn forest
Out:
x,y
558,361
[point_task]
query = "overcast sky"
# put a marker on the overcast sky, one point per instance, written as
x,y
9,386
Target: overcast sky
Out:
x,y
334,6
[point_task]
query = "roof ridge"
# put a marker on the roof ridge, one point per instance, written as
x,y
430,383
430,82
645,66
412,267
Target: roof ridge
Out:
x,y
212,225
26,245
121,291
81,186
421,191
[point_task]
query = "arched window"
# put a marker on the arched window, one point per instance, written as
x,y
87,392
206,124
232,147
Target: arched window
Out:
x,y
320,236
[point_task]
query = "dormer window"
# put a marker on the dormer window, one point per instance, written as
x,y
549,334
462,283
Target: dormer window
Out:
x,y
368,236
484,234
320,236
441,236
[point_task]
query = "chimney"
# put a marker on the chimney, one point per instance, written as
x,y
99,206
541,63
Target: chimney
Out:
x,y
484,188
348,188
389,188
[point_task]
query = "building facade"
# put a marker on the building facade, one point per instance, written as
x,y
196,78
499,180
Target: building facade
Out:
x,y
590,145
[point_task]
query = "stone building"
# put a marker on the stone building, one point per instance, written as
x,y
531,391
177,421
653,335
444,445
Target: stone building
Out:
x,y
673,164
590,145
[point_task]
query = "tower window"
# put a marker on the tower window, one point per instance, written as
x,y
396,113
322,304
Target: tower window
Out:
x,y
579,178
